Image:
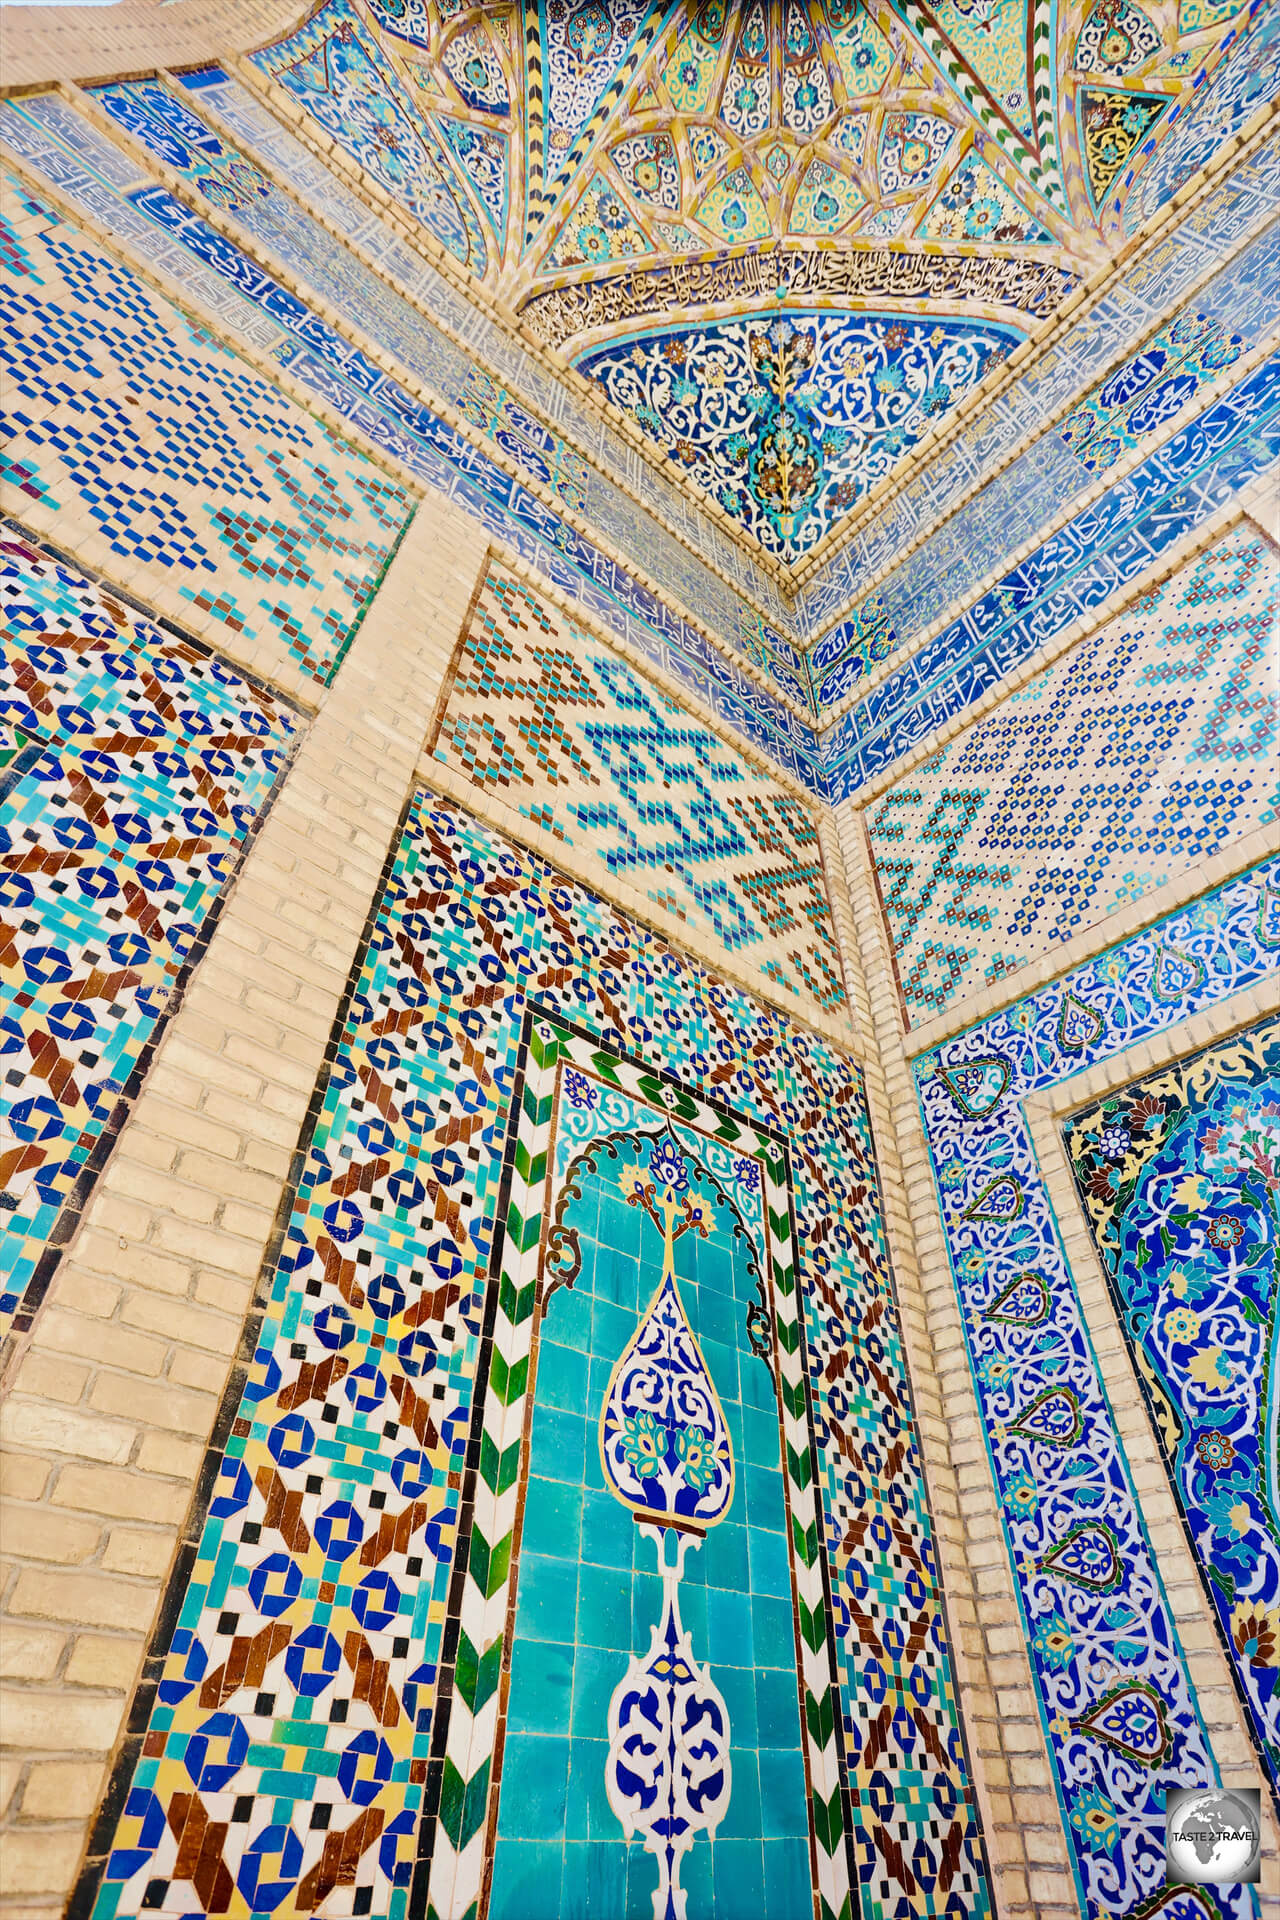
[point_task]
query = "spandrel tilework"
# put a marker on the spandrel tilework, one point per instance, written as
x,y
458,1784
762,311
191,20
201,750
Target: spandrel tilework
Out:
x,y
249,302
127,420
335,69
593,753
1142,751
1179,1177
1120,1715
285,1755
135,765
1154,285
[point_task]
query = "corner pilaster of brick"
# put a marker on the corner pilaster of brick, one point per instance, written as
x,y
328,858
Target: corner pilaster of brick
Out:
x,y
1017,1800
111,1404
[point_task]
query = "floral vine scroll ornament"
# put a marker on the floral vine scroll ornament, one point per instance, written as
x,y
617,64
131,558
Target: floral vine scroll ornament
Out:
x,y
665,1449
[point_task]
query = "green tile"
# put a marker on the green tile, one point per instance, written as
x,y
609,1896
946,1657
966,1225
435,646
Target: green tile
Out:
x,y
552,1519
608,1531
548,1598
607,1879
787,1875
562,1377
739,1870
782,1795
558,1448
568,1318
770,1564
589,1815
774,1630
535,1786
729,1628
541,1687
738,1685
725,1557
604,1607
777,1707
742,1815
596,1672
526,1881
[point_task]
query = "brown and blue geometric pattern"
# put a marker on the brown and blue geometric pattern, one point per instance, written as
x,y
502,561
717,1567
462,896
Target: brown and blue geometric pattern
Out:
x,y
1179,1176
119,411
609,763
288,1755
133,766
1121,1717
1144,749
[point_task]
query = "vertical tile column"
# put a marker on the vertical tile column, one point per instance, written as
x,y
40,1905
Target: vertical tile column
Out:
x,y
1016,1796
110,1405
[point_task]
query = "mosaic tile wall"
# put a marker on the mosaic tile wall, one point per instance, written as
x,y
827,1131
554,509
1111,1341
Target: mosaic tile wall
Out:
x,y
1179,1176
1119,1713
307,1706
319,189
1155,285
122,418
1142,751
133,766
238,295
171,127
596,755
1120,537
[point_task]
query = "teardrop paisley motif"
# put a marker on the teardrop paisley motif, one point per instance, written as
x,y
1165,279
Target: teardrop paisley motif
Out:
x,y
976,1085
663,1438
1132,1719
1079,1026
1087,1556
1175,975
1023,1302
1000,1199
1053,1418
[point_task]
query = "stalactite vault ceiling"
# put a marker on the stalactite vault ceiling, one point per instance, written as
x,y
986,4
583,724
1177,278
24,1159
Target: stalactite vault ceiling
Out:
x,y
785,236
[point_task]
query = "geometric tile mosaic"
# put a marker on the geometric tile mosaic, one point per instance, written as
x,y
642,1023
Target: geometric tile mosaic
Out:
x,y
1119,1709
1142,751
119,411
599,757
288,1756
1179,1177
133,766
240,296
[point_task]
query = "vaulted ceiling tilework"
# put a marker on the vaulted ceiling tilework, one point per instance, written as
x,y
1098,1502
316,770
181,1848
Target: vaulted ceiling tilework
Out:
x,y
913,185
